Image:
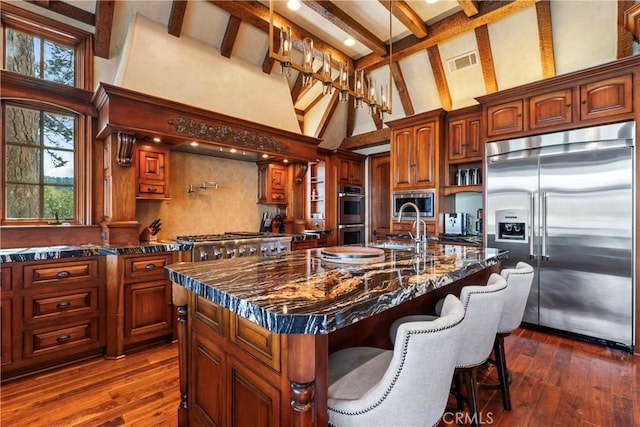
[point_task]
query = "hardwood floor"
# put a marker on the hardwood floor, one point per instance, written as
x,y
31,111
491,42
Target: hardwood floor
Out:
x,y
556,382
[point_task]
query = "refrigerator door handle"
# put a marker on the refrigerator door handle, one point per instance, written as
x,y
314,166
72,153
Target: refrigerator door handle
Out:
x,y
543,206
532,255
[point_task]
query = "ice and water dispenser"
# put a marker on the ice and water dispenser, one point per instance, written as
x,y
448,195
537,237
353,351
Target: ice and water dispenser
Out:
x,y
512,225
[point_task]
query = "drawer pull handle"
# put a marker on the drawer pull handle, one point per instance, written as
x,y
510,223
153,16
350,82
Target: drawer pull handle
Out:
x,y
62,274
63,338
149,266
63,304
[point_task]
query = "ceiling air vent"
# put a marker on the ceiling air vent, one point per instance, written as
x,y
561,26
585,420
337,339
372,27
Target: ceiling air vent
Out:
x,y
463,61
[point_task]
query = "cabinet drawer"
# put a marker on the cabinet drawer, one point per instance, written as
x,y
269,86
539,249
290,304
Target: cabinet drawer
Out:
x,y
256,340
60,337
212,315
40,307
406,227
151,189
146,267
60,272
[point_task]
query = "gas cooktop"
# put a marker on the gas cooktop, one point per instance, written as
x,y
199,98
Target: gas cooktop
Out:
x,y
234,235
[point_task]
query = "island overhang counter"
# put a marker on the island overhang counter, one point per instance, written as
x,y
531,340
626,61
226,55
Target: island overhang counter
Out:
x,y
255,333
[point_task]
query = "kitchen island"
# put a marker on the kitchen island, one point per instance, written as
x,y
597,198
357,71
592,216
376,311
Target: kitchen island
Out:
x,y
255,333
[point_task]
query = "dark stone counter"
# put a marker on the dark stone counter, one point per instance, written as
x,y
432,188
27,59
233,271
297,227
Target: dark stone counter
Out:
x,y
91,249
304,293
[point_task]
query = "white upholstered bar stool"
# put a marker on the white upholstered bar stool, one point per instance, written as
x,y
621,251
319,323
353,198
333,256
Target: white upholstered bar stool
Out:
x,y
483,309
406,386
519,282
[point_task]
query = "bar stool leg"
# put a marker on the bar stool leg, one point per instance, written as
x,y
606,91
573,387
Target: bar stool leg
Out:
x,y
503,372
470,384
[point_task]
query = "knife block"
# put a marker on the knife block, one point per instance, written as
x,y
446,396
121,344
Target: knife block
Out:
x,y
146,236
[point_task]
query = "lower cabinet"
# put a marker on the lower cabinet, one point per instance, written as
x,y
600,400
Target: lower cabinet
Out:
x,y
53,313
235,370
140,311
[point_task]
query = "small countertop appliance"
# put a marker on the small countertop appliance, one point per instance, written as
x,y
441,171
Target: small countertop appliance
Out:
x,y
456,223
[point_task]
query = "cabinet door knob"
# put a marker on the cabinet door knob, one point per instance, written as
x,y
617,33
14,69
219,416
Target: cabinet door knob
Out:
x,y
63,338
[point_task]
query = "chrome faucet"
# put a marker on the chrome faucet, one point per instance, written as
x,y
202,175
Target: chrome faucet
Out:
x,y
418,240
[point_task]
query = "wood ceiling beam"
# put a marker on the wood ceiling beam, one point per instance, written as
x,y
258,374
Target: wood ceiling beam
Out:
x,y
440,77
104,25
328,114
448,28
351,116
298,91
409,18
346,23
256,14
377,119
469,7
486,59
176,18
365,140
313,103
230,35
67,10
545,34
267,63
401,87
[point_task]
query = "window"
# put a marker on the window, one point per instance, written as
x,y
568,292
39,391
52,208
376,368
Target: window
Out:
x,y
40,167
46,126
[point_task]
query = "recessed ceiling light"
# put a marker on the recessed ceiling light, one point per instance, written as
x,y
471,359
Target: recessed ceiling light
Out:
x,y
194,144
285,161
349,42
156,139
233,150
431,1
265,156
293,4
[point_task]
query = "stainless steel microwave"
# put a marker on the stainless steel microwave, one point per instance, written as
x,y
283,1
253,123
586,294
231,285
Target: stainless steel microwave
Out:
x,y
424,199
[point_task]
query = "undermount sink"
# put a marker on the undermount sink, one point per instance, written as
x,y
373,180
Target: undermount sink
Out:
x,y
394,245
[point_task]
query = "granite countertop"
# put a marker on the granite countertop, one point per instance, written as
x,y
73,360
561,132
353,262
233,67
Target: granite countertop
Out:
x,y
90,249
303,292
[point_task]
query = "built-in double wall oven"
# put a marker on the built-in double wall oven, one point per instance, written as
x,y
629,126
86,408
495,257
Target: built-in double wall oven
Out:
x,y
350,215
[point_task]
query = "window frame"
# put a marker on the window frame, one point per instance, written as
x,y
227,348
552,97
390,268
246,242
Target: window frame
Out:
x,y
31,92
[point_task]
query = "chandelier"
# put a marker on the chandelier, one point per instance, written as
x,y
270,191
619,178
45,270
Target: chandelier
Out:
x,y
363,90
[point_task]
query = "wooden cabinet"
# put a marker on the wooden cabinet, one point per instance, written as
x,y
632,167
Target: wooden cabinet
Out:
x,y
235,370
272,183
590,97
404,227
415,152
350,172
148,311
465,151
304,244
606,98
56,313
152,172
550,109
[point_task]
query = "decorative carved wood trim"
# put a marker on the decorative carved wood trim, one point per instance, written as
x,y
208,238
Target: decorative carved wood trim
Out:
x,y
486,59
176,18
628,26
545,31
440,77
365,140
126,142
147,116
104,24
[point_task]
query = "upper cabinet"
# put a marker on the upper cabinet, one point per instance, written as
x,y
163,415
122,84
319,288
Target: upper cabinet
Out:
x,y
415,150
464,150
152,172
272,183
594,96
350,172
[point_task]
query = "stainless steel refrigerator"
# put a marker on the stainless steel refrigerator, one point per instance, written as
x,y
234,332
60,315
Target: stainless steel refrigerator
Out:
x,y
564,203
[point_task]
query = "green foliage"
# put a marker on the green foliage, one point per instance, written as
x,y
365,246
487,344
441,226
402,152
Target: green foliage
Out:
x,y
58,200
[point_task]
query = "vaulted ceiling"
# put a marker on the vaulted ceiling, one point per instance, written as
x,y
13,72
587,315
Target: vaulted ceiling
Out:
x,y
438,55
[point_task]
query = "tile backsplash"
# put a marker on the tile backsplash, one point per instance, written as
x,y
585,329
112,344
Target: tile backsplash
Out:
x,y
230,207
